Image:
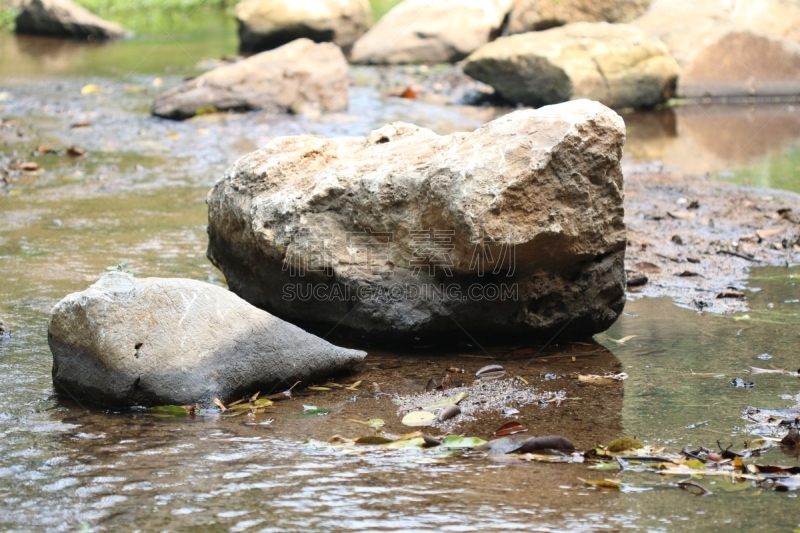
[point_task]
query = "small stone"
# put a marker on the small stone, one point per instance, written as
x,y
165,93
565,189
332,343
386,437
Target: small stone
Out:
x,y
677,239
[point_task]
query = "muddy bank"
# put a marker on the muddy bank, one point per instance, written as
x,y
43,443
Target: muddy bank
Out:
x,y
695,239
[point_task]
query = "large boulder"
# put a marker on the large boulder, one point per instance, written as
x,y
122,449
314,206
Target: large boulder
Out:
x,y
297,77
515,229
730,47
126,341
537,15
421,31
62,18
268,24
615,64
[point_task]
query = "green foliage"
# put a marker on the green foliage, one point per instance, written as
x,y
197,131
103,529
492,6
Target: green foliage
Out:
x,y
7,16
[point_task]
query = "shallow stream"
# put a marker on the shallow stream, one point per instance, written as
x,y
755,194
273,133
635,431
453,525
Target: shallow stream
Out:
x,y
139,195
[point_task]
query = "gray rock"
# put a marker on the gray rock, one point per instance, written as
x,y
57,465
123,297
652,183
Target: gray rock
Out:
x,y
537,15
302,76
375,226
615,64
126,341
421,31
268,24
62,18
4,332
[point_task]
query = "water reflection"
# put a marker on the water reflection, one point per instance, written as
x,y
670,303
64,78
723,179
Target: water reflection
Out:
x,y
743,144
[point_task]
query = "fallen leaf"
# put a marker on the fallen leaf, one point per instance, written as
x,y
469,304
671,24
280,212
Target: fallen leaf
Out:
x,y
490,372
45,150
408,93
313,410
730,294
416,442
28,166
767,233
608,379
457,441
75,151
611,484
509,428
80,124
755,370
450,400
316,388
647,267
176,410
219,403
419,418
681,215
449,412
354,386
623,340
549,442
90,89
373,439
157,82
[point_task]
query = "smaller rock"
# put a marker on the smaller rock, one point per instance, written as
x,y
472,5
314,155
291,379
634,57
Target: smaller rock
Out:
x,y
421,31
615,64
62,18
129,341
268,24
298,77
637,280
537,15
3,330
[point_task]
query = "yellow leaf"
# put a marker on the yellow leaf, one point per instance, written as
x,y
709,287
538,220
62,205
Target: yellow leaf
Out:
x,y
623,340
354,386
612,484
451,400
419,418
219,403
319,388
737,463
90,89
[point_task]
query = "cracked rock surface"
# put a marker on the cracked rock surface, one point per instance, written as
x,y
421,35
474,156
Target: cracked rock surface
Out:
x,y
615,64
405,234
126,341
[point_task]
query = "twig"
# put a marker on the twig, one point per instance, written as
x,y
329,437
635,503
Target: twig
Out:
x,y
737,254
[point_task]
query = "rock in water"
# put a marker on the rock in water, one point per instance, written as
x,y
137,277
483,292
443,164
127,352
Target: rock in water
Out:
x,y
615,64
513,229
268,24
537,15
3,330
126,341
62,18
422,31
730,48
296,77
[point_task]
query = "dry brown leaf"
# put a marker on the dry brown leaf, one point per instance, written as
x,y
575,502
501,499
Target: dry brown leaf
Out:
x,y
681,215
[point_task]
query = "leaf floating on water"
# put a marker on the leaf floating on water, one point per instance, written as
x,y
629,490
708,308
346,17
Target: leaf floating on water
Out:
x,y
457,441
605,466
219,403
75,151
175,410
90,89
449,412
416,442
419,419
373,439
756,370
376,423
611,484
509,428
313,410
623,340
451,400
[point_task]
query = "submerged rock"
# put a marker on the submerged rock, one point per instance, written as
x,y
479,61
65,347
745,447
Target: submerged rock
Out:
x,y
537,15
513,229
3,330
421,31
298,77
268,24
615,64
126,341
727,48
62,18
